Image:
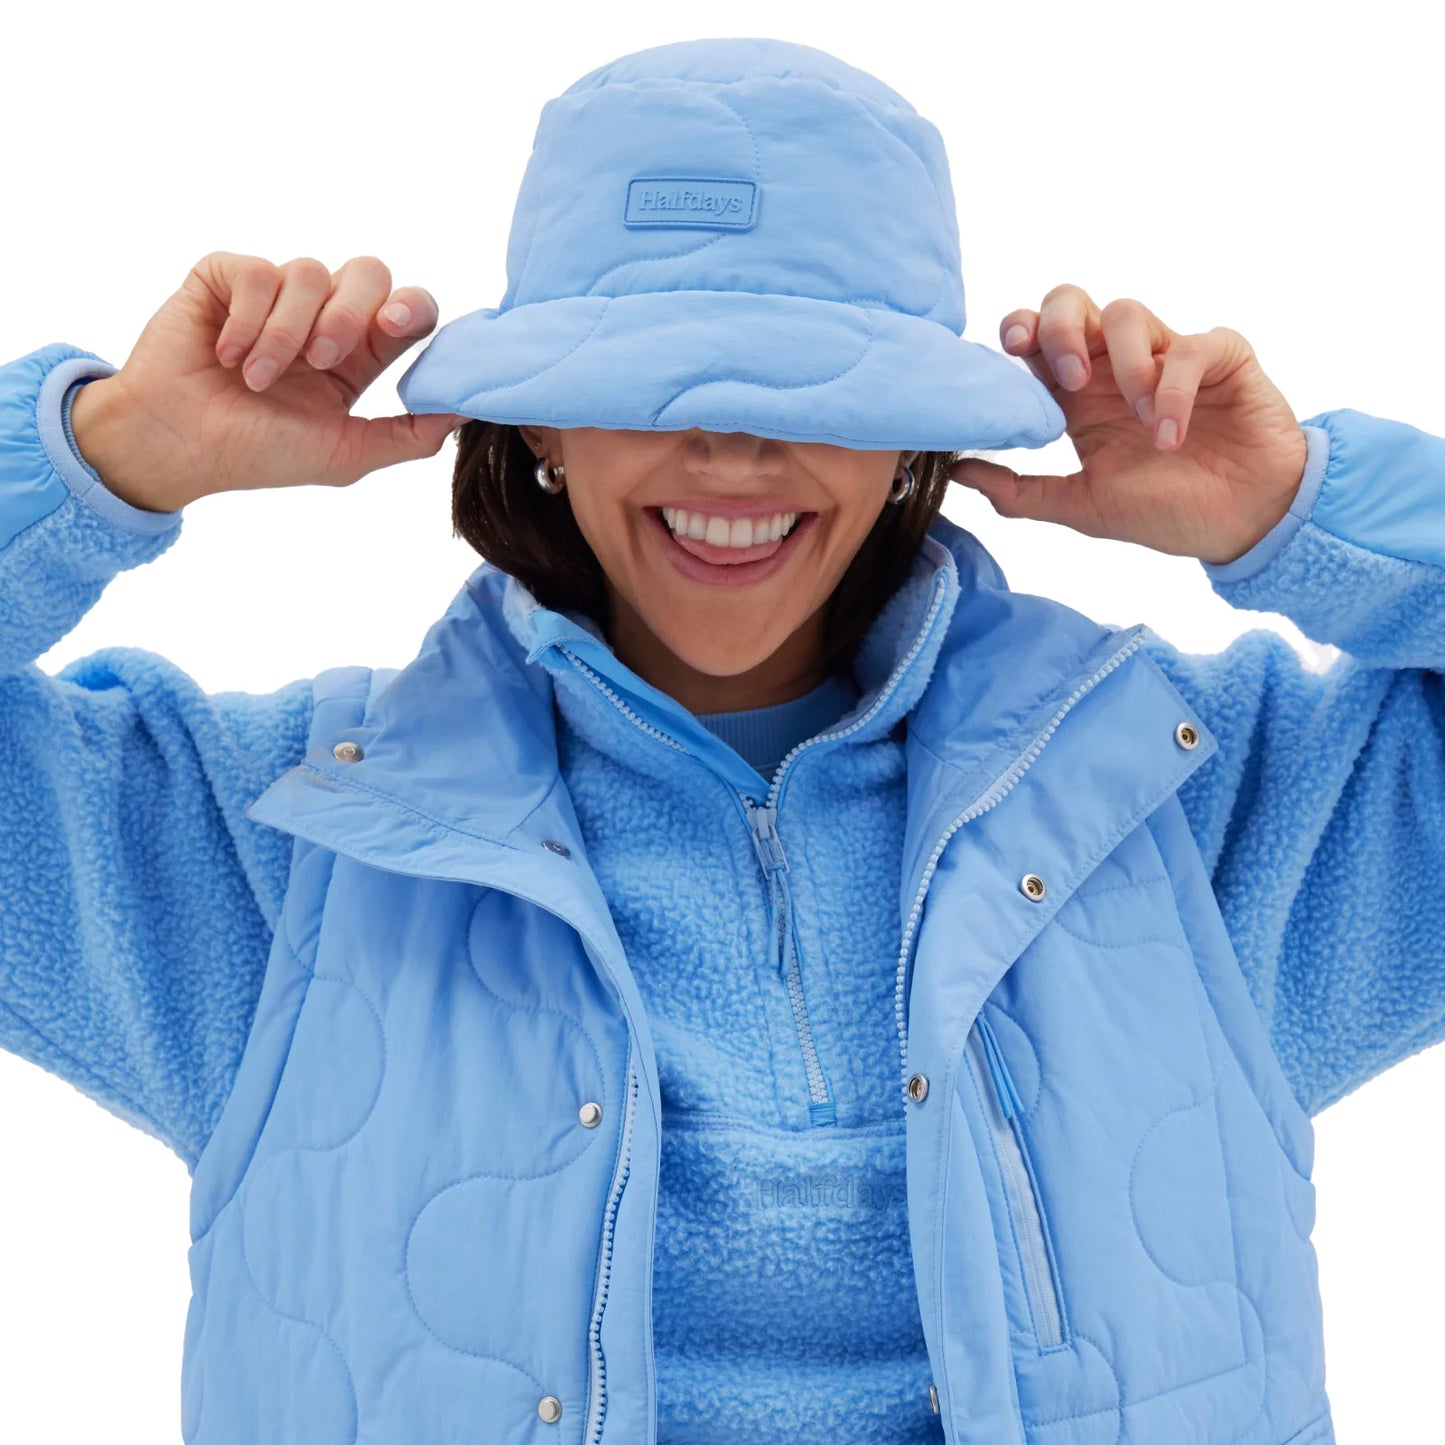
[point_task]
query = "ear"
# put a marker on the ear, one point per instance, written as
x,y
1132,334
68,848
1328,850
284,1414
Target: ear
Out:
x,y
533,437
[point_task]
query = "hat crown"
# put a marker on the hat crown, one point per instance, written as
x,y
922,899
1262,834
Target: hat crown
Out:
x,y
750,165
726,62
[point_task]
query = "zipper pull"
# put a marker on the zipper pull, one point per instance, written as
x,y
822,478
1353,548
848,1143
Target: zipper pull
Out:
x,y
1003,1083
765,838
769,849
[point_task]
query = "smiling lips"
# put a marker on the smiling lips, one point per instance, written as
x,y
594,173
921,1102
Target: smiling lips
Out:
x,y
727,566
728,536
727,529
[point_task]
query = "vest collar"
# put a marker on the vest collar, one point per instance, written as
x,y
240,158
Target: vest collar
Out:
x,y
459,749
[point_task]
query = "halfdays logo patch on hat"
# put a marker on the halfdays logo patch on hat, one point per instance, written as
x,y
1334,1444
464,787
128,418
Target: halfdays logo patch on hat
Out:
x,y
691,201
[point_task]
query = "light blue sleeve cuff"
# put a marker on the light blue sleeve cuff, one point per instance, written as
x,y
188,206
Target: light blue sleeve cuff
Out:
x,y
57,393
1264,551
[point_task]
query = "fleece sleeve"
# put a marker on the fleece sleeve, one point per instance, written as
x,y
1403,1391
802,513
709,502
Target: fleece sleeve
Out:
x,y
1322,816
137,902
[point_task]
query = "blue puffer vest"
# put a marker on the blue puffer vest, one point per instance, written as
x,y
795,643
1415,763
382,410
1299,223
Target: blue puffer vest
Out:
x,y
427,1211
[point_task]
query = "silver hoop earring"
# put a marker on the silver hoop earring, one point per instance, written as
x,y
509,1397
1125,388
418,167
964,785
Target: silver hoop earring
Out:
x,y
544,477
896,493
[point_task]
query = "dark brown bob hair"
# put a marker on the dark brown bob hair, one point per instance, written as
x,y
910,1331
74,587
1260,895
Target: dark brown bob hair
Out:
x,y
498,508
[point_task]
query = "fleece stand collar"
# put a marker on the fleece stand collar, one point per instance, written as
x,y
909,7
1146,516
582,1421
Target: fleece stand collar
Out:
x,y
596,691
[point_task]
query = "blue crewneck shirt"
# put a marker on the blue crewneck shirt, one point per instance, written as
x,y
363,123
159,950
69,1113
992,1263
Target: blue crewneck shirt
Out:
x,y
764,736
784,1301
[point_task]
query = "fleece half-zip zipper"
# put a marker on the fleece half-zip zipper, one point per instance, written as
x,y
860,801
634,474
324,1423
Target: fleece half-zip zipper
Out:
x,y
762,819
786,954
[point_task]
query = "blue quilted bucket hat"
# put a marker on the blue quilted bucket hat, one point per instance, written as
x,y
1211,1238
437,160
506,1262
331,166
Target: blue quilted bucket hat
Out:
x,y
740,235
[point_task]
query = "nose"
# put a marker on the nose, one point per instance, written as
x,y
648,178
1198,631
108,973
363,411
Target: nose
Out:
x,y
733,454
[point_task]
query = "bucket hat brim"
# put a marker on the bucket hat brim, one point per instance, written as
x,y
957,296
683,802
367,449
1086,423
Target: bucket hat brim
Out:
x,y
797,368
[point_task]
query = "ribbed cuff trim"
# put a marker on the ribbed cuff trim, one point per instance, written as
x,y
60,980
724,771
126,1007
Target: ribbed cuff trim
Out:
x,y
1264,551
85,484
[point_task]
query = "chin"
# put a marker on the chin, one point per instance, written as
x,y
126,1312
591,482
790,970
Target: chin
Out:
x,y
720,661
733,665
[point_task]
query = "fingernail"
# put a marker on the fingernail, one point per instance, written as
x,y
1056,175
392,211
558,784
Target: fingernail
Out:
x,y
323,352
1145,409
1070,371
1016,335
263,373
398,313
1167,433
230,355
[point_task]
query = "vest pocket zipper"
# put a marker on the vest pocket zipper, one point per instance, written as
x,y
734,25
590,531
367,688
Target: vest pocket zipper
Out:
x,y
1004,1108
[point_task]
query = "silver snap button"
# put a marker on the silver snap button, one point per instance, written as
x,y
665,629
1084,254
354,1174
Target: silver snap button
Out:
x,y
590,1114
347,752
557,847
549,1407
1032,886
933,1397
1186,735
918,1088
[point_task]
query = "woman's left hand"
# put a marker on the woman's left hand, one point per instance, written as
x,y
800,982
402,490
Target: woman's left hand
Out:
x,y
1210,489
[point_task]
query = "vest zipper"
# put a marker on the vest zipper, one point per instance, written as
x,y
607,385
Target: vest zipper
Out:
x,y
786,954
1024,1202
592,1432
992,795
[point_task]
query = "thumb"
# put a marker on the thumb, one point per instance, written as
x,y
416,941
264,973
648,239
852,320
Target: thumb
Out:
x,y
387,440
1016,494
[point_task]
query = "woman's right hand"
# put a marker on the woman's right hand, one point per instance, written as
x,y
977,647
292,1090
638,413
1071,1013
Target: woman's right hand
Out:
x,y
193,410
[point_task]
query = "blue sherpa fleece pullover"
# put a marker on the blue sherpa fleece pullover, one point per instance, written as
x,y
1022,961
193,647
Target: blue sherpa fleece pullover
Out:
x,y
139,901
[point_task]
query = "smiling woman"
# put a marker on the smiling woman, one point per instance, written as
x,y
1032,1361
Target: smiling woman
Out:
x,y
727,987
604,550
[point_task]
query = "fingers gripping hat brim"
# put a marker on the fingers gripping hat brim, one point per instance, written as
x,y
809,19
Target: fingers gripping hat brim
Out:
x,y
793,367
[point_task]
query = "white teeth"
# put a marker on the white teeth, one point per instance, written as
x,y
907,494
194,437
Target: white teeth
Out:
x,y
723,532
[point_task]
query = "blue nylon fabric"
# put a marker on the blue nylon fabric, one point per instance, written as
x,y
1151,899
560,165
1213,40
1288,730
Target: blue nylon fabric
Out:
x,y
154,838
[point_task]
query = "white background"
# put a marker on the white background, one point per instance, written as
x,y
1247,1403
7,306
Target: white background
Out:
x,y
1269,168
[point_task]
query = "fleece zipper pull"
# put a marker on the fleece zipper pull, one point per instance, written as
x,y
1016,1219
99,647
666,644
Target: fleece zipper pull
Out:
x,y
769,848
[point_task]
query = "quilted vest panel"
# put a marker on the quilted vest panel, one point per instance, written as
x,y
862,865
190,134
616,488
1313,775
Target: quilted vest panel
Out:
x,y
1112,1115
1121,1131
396,1223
